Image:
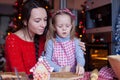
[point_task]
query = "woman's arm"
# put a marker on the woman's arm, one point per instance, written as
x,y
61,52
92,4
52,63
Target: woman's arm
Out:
x,y
79,53
13,55
80,58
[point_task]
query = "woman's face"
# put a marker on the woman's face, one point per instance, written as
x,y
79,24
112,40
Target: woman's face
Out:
x,y
37,21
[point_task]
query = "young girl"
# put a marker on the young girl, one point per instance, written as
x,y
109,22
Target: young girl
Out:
x,y
62,47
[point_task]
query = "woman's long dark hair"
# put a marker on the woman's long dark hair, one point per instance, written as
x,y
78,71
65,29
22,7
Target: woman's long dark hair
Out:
x,y
26,12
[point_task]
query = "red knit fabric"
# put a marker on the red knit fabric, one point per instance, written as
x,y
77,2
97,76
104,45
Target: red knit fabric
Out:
x,y
20,54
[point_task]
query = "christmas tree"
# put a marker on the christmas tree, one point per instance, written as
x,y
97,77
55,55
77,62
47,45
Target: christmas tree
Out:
x,y
16,18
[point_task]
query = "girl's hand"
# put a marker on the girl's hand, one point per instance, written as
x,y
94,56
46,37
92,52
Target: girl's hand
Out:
x,y
82,44
79,69
65,69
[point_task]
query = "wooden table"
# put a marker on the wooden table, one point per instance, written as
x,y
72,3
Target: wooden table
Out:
x,y
13,76
64,76
53,76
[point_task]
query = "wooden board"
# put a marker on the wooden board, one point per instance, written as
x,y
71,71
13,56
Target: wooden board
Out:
x,y
64,76
12,75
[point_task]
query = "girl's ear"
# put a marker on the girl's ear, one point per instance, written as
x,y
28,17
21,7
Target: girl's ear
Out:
x,y
54,27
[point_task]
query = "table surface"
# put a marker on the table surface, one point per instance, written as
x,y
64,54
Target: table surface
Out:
x,y
12,75
53,76
64,76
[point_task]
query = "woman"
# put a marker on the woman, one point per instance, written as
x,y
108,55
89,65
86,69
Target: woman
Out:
x,y
22,47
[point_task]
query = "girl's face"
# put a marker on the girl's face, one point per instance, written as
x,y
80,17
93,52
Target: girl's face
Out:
x,y
63,25
37,21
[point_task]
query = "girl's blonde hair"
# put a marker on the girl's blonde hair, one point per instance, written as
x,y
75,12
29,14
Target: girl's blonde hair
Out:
x,y
51,34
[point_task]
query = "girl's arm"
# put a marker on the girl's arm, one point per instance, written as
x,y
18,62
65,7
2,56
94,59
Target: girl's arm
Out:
x,y
79,69
49,53
13,56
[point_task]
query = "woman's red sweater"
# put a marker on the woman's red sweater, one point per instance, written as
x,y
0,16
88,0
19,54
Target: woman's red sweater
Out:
x,y
20,54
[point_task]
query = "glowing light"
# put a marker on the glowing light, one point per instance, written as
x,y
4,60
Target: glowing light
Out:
x,y
94,55
83,12
96,51
80,26
80,35
81,22
8,33
19,17
97,40
16,3
83,31
46,7
15,26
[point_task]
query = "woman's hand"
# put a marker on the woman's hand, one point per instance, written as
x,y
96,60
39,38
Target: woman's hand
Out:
x,y
79,69
82,44
65,69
